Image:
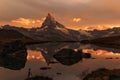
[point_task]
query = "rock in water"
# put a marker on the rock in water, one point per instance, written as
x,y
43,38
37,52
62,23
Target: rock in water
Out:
x,y
13,55
68,56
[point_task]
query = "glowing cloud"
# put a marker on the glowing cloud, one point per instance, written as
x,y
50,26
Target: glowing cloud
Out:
x,y
76,19
28,22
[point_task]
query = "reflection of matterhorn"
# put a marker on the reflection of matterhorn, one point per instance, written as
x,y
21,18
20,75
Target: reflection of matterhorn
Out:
x,y
52,30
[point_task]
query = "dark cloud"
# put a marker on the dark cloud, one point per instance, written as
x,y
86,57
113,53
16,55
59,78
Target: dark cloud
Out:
x,y
92,12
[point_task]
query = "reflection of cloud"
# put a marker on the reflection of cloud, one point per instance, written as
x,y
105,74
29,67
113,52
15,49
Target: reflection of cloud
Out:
x,y
35,55
28,22
103,53
76,19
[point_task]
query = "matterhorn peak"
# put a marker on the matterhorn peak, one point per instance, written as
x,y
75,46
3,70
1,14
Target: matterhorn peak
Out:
x,y
50,16
50,22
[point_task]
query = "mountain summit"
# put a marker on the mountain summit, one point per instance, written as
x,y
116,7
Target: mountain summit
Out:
x,y
50,22
52,30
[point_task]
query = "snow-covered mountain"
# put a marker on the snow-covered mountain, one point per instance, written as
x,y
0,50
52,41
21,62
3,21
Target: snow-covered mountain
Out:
x,y
54,31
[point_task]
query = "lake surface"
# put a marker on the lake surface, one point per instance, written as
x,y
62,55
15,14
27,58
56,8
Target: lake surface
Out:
x,y
41,60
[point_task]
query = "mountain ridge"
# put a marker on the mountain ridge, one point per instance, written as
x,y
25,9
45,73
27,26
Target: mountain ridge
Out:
x,y
52,30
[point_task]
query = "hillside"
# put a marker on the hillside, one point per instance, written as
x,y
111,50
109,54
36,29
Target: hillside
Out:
x,y
11,35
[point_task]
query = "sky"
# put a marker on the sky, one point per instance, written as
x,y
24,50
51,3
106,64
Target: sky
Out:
x,y
74,14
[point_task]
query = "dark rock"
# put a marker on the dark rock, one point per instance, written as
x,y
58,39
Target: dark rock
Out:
x,y
104,74
39,78
68,56
87,55
13,55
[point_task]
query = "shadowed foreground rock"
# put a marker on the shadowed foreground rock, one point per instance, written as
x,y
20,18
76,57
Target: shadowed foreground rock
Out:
x,y
39,78
70,56
104,74
13,55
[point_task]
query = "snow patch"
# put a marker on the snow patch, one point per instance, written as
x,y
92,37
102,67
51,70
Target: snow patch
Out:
x,y
85,33
63,30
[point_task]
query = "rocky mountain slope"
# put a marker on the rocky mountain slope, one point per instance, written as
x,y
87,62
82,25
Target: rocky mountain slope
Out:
x,y
54,31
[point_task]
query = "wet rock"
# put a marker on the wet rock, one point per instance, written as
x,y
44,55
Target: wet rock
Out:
x,y
104,74
87,55
13,55
68,56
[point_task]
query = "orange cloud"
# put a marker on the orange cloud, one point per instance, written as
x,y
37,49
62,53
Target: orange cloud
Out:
x,y
28,22
98,27
76,19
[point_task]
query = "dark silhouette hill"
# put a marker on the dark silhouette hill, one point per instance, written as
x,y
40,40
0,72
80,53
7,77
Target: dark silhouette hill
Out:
x,y
12,35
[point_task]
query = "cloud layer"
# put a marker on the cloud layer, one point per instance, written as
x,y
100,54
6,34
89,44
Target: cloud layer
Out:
x,y
92,12
28,22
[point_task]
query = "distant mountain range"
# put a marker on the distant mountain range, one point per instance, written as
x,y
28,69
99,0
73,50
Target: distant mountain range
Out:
x,y
105,33
52,30
106,38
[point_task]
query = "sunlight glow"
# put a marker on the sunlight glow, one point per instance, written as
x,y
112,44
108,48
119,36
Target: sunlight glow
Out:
x,y
35,55
28,22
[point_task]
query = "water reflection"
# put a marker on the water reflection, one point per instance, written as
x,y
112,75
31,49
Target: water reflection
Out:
x,y
64,53
70,56
50,59
102,53
109,49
